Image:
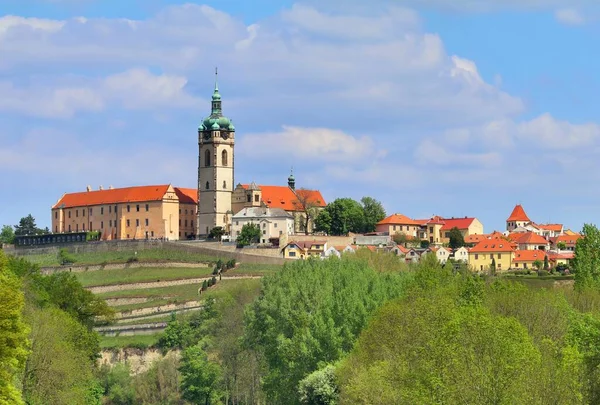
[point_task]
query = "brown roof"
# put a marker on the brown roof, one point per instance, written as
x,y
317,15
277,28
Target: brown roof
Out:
x,y
551,227
569,240
518,214
112,196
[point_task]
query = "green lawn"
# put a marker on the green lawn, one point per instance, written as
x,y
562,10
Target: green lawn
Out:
x,y
178,294
159,254
251,269
137,275
139,341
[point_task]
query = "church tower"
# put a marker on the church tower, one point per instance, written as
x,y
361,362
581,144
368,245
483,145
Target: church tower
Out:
x,y
216,137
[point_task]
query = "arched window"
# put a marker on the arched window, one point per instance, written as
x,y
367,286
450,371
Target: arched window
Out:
x,y
207,185
224,184
207,158
224,158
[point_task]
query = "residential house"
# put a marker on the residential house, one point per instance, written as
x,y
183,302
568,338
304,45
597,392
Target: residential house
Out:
x,y
441,253
529,241
331,251
437,229
304,249
273,222
550,230
558,258
496,249
376,240
461,255
569,241
398,224
412,256
399,250
526,259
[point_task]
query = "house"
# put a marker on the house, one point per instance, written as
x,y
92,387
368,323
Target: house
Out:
x,y
273,222
560,258
526,259
495,249
550,230
441,253
569,241
437,229
529,241
331,251
517,218
461,255
304,249
140,212
412,256
398,224
376,240
400,250
292,200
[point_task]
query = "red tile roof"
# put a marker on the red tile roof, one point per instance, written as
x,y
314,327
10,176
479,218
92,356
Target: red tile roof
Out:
x,y
529,255
518,214
187,195
460,223
475,238
527,238
492,245
284,197
397,219
569,240
564,255
112,196
551,227
305,245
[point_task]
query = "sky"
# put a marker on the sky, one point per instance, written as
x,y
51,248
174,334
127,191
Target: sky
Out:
x,y
434,109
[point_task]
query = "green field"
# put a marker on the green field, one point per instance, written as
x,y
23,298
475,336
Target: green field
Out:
x,y
177,294
252,269
153,255
139,341
138,275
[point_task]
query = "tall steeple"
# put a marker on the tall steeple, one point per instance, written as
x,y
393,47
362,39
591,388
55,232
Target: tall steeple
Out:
x,y
216,97
292,180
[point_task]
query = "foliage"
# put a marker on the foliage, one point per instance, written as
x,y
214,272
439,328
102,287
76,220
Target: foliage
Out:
x,y
538,264
249,234
456,237
311,313
7,234
546,263
118,387
160,384
93,235
373,213
216,233
587,259
13,334
64,257
27,226
200,378
319,387
561,245
306,204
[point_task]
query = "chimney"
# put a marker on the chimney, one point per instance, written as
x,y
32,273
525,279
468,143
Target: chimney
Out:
x,y
100,188
88,188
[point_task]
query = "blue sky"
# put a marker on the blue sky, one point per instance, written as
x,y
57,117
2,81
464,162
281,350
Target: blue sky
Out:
x,y
433,110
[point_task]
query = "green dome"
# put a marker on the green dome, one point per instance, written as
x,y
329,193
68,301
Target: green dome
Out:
x,y
215,126
221,122
231,127
216,95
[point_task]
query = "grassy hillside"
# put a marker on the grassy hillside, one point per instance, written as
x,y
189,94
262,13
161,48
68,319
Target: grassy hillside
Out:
x,y
139,275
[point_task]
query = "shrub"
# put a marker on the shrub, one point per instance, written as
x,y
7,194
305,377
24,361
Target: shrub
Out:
x,y
213,280
204,285
219,265
231,264
542,273
64,257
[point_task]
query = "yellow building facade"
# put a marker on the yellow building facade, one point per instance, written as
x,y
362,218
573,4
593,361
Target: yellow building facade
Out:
x,y
488,251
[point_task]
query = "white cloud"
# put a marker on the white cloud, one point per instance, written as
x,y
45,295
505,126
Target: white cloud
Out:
x,y
311,144
9,22
569,16
549,133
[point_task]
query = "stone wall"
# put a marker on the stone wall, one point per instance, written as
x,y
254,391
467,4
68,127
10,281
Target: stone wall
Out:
x,y
331,240
140,360
89,247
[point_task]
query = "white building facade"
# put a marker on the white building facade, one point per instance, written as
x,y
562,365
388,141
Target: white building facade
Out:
x,y
273,222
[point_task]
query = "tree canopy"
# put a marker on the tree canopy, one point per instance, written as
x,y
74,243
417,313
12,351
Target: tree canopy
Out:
x,y
249,234
345,215
587,259
27,226
456,237
7,234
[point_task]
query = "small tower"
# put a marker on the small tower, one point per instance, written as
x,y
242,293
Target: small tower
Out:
x,y
216,139
292,180
517,218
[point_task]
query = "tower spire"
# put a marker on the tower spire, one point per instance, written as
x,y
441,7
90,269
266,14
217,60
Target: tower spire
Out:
x,y
216,97
216,79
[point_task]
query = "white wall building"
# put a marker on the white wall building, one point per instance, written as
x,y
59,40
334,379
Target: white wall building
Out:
x,y
273,222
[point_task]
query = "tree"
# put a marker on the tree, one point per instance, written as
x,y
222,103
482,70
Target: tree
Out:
x,y
561,245
27,226
200,378
250,234
7,234
216,233
546,263
587,259
456,237
323,222
493,267
343,215
305,203
319,387
13,334
373,213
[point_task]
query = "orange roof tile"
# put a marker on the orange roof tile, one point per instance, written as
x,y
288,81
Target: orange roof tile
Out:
x,y
112,196
285,198
527,238
492,245
569,240
187,195
518,214
529,255
397,219
565,255
551,227
475,238
403,249
460,223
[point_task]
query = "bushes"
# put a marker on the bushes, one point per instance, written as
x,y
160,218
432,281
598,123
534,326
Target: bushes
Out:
x,y
64,257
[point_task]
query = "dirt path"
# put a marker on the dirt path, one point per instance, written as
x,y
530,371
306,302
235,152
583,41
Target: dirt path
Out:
x,y
160,284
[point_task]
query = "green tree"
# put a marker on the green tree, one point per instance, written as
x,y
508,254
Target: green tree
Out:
x,y
319,387
13,334
306,204
373,212
200,378
7,234
587,259
346,215
27,226
118,385
456,237
561,245
250,234
546,263
538,264
323,222
216,233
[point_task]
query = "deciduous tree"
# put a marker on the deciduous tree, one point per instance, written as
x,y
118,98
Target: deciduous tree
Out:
x,y
587,259
305,203
456,237
7,234
200,378
249,234
373,213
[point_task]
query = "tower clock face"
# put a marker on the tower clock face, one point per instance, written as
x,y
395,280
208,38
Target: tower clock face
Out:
x,y
224,135
206,135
